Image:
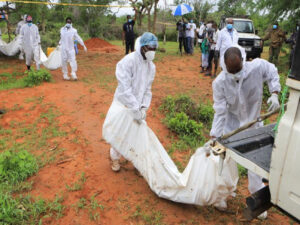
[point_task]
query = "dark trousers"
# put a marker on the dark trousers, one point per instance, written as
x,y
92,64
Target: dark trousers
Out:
x,y
185,44
129,45
189,47
181,43
212,57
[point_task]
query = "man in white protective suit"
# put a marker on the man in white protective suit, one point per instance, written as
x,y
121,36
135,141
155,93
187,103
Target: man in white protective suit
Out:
x,y
18,31
31,42
238,94
227,37
135,74
68,35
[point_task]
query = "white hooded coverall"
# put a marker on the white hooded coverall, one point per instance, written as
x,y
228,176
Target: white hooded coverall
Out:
x,y
18,31
135,77
237,103
67,38
31,43
226,40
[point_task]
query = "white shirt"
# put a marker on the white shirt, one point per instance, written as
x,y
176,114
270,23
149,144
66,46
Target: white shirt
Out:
x,y
226,39
215,39
200,32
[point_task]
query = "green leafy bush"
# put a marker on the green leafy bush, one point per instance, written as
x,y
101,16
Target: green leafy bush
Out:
x,y
16,166
200,113
36,77
183,126
187,119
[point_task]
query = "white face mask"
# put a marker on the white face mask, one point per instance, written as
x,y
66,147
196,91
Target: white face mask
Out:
x,y
236,76
68,25
150,55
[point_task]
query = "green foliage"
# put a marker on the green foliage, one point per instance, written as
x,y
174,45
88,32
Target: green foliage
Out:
x,y
33,78
242,171
189,130
36,77
26,210
200,113
16,166
187,119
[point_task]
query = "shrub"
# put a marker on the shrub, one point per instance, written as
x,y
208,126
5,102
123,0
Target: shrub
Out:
x,y
16,166
200,113
34,77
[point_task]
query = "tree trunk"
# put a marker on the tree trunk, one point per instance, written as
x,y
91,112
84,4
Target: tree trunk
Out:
x,y
8,24
154,17
149,19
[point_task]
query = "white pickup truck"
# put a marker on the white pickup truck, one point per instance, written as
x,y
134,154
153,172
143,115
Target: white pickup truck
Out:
x,y
248,37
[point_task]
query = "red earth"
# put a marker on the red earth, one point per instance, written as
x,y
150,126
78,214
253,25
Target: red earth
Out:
x,y
82,106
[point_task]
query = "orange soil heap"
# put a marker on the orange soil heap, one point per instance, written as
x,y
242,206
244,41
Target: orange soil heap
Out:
x,y
94,43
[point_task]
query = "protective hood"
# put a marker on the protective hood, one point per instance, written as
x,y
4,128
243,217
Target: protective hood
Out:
x,y
222,60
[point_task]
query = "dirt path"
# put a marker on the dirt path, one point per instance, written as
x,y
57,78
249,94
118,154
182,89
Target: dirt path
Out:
x,y
125,196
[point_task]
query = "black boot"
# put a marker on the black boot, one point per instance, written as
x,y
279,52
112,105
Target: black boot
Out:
x,y
28,67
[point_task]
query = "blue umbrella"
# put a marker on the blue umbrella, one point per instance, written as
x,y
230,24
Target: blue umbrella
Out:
x,y
182,9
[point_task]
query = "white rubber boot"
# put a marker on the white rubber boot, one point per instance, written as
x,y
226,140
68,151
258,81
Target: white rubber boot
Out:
x,y
115,166
73,75
263,216
66,77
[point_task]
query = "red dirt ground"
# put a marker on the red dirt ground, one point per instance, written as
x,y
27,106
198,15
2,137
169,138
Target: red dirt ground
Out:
x,y
126,197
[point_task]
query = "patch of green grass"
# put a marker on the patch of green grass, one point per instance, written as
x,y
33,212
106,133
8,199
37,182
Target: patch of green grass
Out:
x,y
91,206
78,184
16,166
31,78
152,218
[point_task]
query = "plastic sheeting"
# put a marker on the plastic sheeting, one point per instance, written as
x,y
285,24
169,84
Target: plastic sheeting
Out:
x,y
53,62
199,184
12,48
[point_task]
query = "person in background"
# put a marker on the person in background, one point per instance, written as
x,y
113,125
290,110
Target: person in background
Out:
x,y
68,35
192,32
3,17
277,37
128,34
212,35
180,27
188,38
292,41
200,32
204,51
227,38
18,30
31,42
238,96
135,74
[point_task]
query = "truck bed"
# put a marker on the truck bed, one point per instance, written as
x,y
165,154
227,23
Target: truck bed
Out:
x,y
252,148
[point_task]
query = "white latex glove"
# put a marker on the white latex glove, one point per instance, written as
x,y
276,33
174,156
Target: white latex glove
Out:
x,y
84,48
273,101
144,112
208,147
138,115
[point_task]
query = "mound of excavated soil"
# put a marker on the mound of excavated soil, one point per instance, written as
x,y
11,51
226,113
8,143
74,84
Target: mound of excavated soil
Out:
x,y
96,43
